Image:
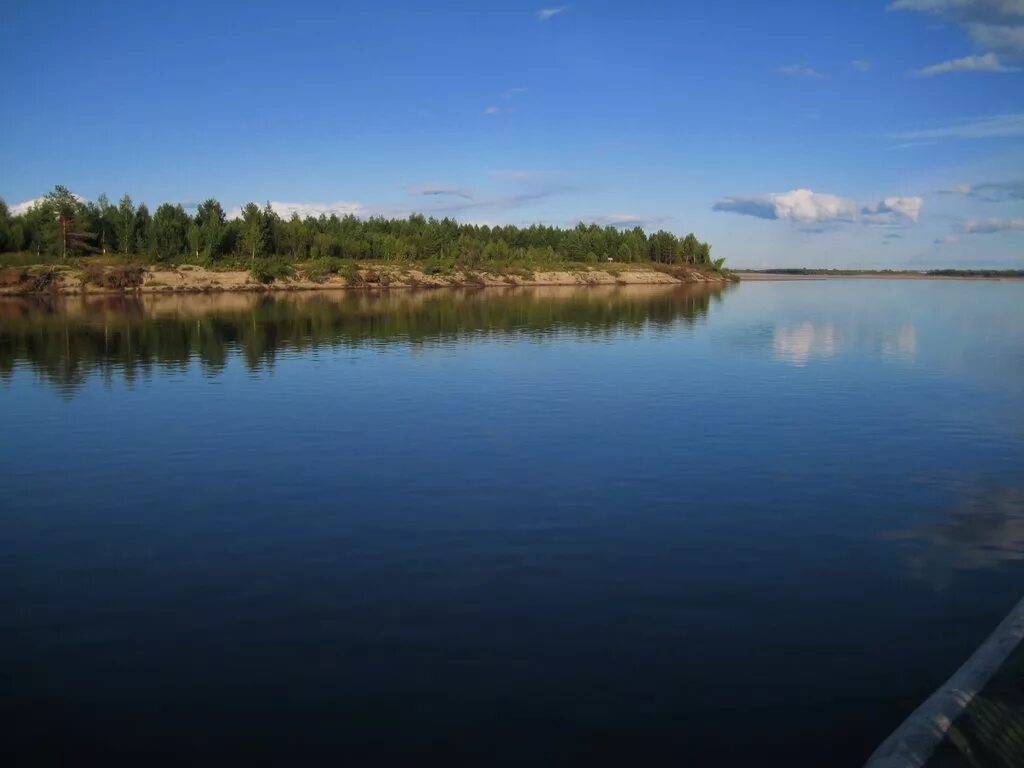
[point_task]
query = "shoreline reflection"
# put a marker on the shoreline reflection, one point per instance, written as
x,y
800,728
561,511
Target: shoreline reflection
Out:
x,y
64,340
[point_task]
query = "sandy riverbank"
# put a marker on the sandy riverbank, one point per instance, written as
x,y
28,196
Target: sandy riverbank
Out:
x,y
192,279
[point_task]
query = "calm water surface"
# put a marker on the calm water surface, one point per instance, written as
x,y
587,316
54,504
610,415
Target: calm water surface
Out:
x,y
654,525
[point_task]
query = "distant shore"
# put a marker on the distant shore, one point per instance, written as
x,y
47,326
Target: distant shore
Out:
x,y
74,280
887,275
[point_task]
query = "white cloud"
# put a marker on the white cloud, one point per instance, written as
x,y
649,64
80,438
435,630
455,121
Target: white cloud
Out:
x,y
992,24
545,14
991,127
513,92
440,190
860,65
987,63
991,226
908,207
799,70
492,110
806,207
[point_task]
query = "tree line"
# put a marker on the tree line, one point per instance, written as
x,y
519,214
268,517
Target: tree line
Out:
x,y
63,226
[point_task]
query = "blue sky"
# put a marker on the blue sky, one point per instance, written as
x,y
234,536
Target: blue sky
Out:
x,y
840,133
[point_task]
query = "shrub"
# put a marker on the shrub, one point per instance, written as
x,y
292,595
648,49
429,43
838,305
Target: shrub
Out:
x,y
320,269
350,271
437,266
93,274
519,271
379,277
268,270
124,278
44,281
120,278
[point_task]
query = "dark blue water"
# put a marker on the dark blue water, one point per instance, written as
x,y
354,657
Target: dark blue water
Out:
x,y
655,525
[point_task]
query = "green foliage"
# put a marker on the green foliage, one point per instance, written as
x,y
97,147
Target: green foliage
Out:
x,y
438,266
210,228
319,270
169,232
125,225
65,223
267,270
143,231
350,271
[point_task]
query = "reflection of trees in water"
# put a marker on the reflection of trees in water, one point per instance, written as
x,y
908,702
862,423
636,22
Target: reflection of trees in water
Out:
x,y
64,340
985,530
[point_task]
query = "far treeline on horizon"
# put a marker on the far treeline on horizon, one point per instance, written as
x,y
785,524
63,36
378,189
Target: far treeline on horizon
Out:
x,y
62,226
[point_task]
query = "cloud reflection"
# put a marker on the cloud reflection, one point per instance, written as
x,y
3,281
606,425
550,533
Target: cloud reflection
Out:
x,y
901,343
984,531
797,343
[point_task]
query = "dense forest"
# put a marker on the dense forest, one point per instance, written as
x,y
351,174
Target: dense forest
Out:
x,y
61,226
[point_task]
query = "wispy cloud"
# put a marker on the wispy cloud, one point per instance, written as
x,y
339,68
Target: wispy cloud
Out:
x,y
991,127
912,145
441,190
627,220
806,207
521,174
989,192
525,196
506,96
991,226
996,25
860,65
799,70
987,63
546,14
1006,39
285,210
